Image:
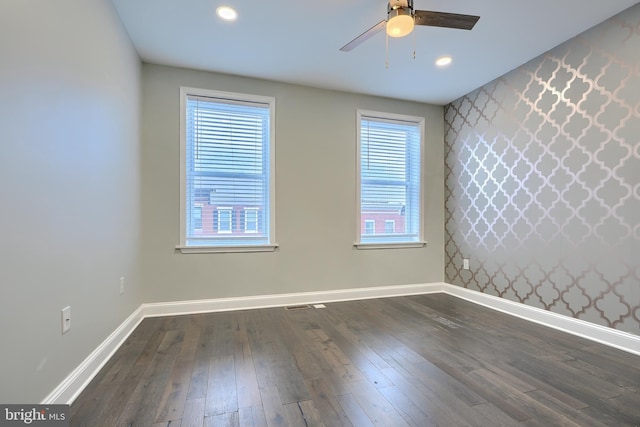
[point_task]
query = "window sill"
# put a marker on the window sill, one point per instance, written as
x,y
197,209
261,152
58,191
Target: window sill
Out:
x,y
403,245
225,249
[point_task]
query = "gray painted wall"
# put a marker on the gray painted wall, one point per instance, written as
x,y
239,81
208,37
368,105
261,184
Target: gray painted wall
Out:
x,y
543,180
69,187
315,196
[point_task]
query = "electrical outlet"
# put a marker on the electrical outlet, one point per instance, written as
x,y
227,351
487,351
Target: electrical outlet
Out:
x,y
66,319
465,263
121,285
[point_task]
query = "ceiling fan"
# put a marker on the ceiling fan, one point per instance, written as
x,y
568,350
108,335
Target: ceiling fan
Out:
x,y
401,19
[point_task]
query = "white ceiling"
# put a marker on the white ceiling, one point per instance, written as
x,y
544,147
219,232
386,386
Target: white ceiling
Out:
x,y
299,41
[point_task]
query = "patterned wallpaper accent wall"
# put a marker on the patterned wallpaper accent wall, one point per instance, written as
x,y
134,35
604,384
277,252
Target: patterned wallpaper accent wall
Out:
x,y
543,180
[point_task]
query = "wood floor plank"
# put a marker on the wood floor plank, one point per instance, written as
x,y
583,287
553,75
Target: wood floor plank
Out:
x,y
202,356
612,357
438,406
367,361
310,414
252,417
437,380
575,415
142,405
303,414
273,410
199,382
543,386
275,364
403,404
171,406
248,391
94,405
247,388
624,409
310,363
193,413
497,417
533,408
475,387
327,402
419,360
610,416
606,370
260,340
374,404
376,332
568,379
119,367
347,332
334,356
289,381
229,419
167,424
354,411
222,395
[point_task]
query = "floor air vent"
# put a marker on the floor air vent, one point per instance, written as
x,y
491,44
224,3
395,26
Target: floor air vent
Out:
x,y
298,307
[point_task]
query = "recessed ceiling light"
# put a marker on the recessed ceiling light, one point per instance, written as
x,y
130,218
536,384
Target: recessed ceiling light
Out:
x,y
443,61
227,13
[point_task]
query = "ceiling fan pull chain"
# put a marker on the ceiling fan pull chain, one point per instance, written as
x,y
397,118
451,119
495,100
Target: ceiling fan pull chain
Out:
x,y
386,49
414,45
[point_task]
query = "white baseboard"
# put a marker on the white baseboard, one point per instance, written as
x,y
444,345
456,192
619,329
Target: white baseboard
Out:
x,y
79,378
281,300
600,334
73,385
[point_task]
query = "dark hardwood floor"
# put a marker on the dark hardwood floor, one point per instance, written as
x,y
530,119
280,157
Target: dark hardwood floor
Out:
x,y
420,360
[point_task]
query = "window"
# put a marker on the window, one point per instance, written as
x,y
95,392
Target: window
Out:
x,y
224,217
251,220
389,170
227,171
389,226
196,218
369,226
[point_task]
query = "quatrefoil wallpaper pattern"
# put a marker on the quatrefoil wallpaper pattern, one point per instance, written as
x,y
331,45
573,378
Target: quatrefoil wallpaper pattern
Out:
x,y
543,180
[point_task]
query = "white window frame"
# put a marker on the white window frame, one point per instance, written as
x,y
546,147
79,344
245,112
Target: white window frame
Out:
x,y
419,121
393,225
253,211
270,244
226,210
201,212
369,221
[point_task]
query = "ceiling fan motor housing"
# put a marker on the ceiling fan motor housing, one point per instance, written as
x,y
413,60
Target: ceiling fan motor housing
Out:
x,y
395,4
400,18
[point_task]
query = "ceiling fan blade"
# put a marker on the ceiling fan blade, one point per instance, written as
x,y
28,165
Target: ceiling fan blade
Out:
x,y
364,36
443,19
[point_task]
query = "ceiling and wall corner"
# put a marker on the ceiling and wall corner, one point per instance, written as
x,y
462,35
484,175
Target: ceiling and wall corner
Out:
x,y
543,180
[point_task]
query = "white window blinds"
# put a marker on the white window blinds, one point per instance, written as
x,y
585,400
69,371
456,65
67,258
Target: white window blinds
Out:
x,y
390,178
227,150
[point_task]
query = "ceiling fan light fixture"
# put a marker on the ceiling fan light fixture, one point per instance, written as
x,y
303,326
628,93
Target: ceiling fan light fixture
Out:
x,y
400,22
